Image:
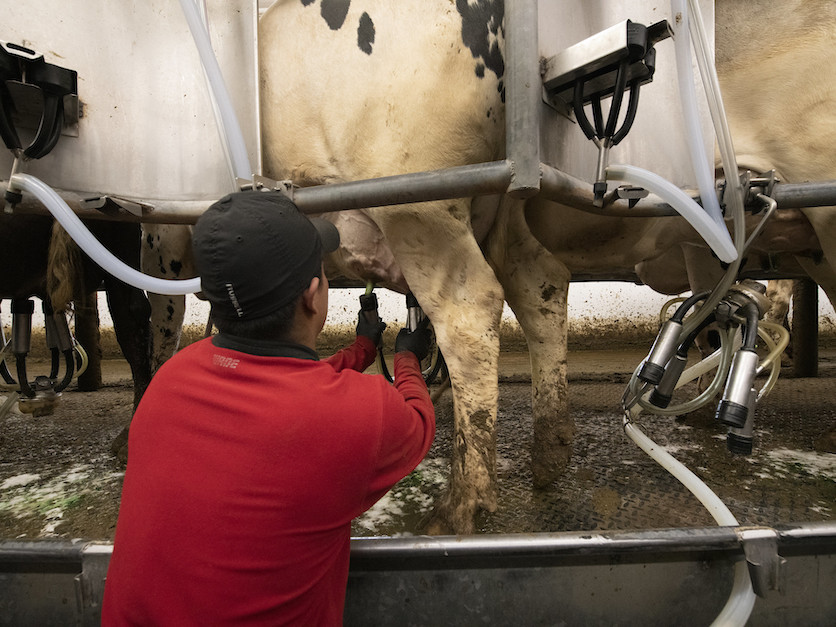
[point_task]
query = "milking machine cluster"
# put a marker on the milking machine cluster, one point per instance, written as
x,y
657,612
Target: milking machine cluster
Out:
x,y
607,65
28,84
737,315
41,396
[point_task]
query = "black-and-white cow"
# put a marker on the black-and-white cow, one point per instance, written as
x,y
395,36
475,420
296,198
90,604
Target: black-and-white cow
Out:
x,y
356,89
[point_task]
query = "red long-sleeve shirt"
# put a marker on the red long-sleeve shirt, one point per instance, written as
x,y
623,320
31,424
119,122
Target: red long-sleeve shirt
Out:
x,y
244,473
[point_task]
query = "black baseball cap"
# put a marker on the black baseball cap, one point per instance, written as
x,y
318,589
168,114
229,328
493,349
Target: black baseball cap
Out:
x,y
256,252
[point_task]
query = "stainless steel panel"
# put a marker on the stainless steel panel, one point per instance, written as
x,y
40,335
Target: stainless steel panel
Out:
x,y
657,140
147,129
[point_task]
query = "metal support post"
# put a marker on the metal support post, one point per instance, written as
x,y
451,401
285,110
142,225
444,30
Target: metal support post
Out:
x,y
523,95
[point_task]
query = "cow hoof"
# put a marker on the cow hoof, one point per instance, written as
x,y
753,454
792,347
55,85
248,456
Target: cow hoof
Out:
x,y
548,467
453,516
119,447
438,526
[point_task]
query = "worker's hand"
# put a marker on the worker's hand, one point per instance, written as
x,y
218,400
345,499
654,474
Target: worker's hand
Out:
x,y
417,341
371,327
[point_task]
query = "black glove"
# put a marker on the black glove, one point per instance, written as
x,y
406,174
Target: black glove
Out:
x,y
371,326
417,341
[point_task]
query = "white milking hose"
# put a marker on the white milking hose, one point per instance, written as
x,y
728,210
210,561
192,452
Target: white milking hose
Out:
x,y
688,100
716,235
227,121
94,249
234,147
734,190
742,598
773,359
739,606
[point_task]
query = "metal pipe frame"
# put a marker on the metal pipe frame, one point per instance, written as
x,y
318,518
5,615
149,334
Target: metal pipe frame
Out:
x,y
523,92
493,551
522,174
460,182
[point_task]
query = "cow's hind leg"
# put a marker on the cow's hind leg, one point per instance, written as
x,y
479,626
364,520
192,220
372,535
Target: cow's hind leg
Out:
x,y
131,314
459,292
130,311
166,253
536,287
88,335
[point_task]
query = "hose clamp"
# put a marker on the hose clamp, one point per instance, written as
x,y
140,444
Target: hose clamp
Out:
x,y
263,183
753,185
767,569
739,295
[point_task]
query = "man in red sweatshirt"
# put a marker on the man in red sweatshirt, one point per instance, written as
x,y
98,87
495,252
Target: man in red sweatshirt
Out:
x,y
248,456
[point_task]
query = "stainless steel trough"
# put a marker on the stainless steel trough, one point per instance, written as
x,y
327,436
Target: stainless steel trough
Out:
x,y
649,577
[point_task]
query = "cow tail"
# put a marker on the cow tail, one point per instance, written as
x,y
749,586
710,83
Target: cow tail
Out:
x,y
63,267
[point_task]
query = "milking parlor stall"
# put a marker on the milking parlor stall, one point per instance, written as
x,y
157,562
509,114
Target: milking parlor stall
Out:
x,y
149,111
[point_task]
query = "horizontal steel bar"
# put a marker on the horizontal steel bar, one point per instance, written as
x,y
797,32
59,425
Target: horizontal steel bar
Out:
x,y
514,550
801,195
16,551
496,551
570,191
459,182
49,556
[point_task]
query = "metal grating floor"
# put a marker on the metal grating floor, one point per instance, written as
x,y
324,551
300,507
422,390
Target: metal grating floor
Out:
x,y
611,484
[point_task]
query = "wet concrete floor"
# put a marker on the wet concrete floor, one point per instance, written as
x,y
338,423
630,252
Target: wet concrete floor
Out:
x,y
611,484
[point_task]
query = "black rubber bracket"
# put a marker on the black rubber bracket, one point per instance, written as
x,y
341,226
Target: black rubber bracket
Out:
x,y
18,63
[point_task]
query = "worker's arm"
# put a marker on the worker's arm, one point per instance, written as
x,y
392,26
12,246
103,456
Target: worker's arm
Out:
x,y
361,354
408,415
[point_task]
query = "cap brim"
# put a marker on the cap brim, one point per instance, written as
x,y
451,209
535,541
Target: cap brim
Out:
x,y
328,234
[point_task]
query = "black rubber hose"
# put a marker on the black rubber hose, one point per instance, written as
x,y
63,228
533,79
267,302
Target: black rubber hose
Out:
x,y
580,113
55,363
384,369
50,127
750,334
686,344
9,71
439,365
689,302
69,361
630,116
617,97
54,82
7,376
598,117
7,129
25,388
